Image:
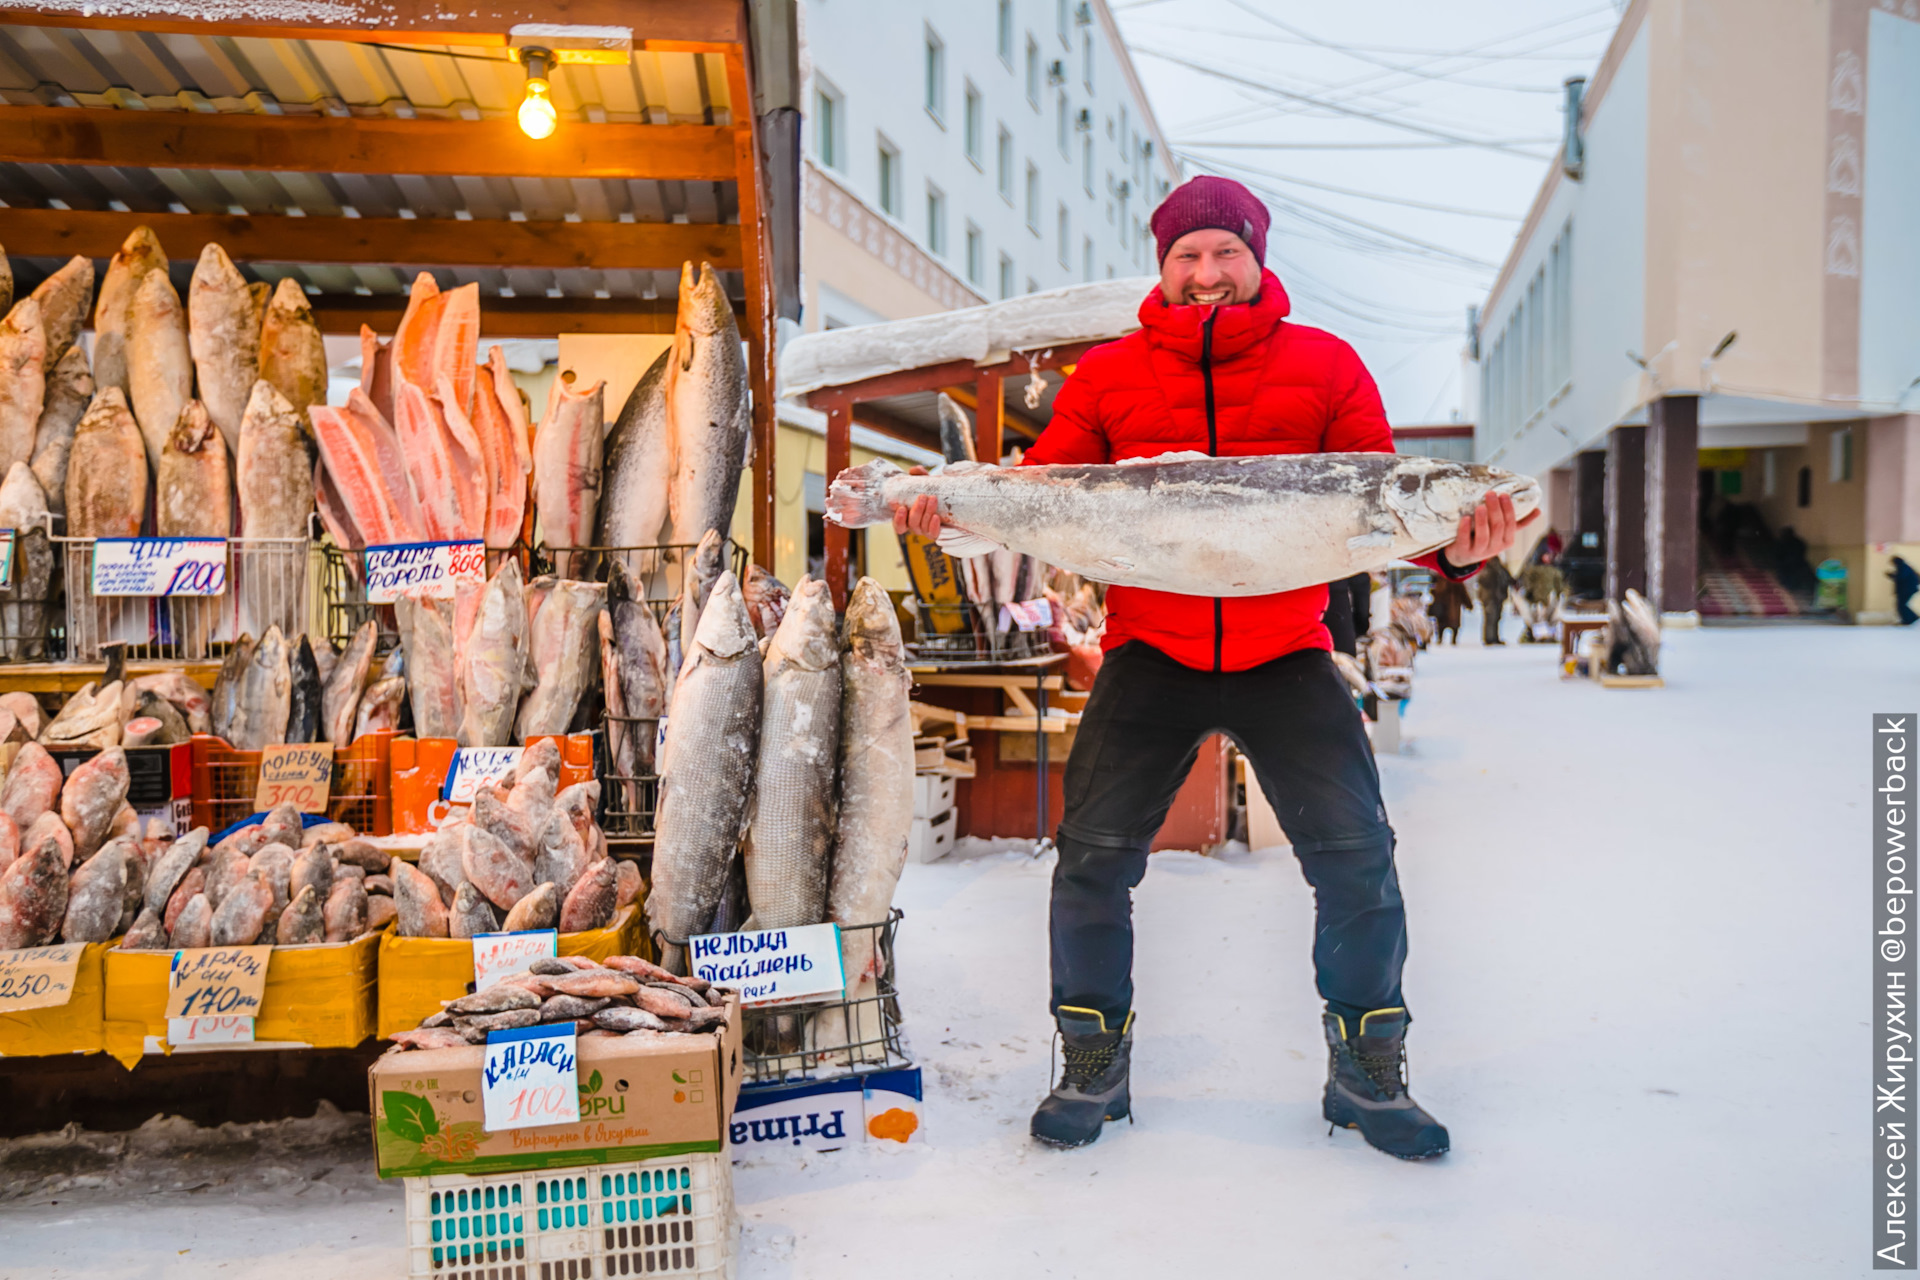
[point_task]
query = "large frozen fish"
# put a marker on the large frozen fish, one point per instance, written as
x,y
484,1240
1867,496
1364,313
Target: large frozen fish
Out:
x,y
275,467
713,736
159,361
365,473
223,331
293,356
341,697
567,451
376,371
707,409
444,471
791,828
139,254
91,796
639,466
64,298
266,694
438,336
640,659
433,678
69,392
225,702
500,424
96,896
493,662
193,495
32,787
107,471
23,381
33,898
563,646
1193,524
23,601
380,706
956,431
304,699
702,571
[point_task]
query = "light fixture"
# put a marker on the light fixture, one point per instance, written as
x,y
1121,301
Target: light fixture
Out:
x,y
537,116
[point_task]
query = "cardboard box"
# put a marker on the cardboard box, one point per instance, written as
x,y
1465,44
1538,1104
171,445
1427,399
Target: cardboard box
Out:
x,y
641,1096
825,1115
74,1027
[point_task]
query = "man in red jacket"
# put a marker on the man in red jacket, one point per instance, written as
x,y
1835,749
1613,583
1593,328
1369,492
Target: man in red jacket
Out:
x,y
1216,367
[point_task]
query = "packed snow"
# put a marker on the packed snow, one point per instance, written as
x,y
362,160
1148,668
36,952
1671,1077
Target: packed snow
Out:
x,y
1638,946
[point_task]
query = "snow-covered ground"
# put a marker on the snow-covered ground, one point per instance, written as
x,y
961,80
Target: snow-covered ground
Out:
x,y
1637,972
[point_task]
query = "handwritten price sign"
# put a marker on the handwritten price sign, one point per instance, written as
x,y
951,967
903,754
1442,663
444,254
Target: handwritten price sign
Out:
x,y
423,570
477,767
38,977
195,1033
531,1078
296,773
501,955
225,982
160,567
772,965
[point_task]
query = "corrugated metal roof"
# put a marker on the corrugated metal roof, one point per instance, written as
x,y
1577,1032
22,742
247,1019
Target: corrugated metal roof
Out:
x,y
51,66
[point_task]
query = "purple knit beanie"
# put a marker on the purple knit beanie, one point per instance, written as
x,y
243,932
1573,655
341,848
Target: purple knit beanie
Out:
x,y
1208,202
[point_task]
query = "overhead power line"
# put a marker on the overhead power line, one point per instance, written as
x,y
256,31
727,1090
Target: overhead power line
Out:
x,y
1360,195
1409,145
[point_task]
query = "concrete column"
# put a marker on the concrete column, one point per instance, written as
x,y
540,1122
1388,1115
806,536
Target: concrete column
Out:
x,y
1560,500
1590,493
1673,502
1892,469
1626,511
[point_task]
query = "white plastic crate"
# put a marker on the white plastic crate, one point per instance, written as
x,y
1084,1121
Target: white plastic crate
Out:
x,y
931,839
932,795
672,1216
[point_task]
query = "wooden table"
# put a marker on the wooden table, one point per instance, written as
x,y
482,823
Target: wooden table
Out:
x,y
68,677
1010,677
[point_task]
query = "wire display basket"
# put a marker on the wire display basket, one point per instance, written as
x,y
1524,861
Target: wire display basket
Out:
x,y
267,586
33,622
970,633
629,787
820,1039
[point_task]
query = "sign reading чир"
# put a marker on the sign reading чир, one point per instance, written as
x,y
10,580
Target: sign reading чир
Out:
x,y
296,773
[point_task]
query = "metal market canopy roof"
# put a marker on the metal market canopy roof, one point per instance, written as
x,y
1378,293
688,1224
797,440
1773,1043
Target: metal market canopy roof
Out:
x,y
352,165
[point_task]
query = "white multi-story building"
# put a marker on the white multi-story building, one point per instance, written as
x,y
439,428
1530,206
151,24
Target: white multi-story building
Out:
x,y
960,153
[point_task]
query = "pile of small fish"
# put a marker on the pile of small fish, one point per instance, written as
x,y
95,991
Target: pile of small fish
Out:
x,y
524,856
270,883
624,995
276,690
150,710
69,849
806,751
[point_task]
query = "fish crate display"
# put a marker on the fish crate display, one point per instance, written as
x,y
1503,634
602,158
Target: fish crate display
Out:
x,y
670,1216
969,633
815,1039
33,625
225,780
266,586
660,569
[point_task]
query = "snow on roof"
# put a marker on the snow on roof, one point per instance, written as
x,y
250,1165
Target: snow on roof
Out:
x,y
984,335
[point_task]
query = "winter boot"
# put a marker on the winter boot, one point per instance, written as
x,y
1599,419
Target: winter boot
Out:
x,y
1093,1079
1367,1086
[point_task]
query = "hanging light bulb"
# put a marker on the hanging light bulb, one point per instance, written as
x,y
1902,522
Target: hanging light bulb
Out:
x,y
537,116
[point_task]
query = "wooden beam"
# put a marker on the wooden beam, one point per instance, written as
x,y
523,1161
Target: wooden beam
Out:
x,y
507,317
423,242
839,457
757,265
889,424
989,425
355,144
674,23
1009,417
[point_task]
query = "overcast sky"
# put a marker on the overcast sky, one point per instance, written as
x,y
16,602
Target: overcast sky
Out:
x,y
1348,119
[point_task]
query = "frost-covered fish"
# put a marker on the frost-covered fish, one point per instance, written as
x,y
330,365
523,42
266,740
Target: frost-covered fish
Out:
x,y
1193,524
791,827
23,601
159,361
707,409
500,424
493,662
223,332
140,253
64,297
293,355
92,795
702,571
567,449
433,678
69,392
193,494
640,660
639,466
956,431
107,470
274,468
305,695
225,702
713,736
766,598
265,695
33,897
23,381
380,706
563,645
344,684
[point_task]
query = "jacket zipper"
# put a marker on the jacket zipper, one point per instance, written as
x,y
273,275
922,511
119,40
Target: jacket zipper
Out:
x,y
1213,450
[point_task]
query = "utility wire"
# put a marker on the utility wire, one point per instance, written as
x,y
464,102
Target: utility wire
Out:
x,y
1350,146
1471,51
1348,191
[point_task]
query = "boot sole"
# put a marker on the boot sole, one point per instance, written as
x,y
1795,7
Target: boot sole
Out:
x,y
1327,1110
1058,1144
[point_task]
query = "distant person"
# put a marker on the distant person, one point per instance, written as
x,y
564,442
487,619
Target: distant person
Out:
x,y
1492,584
1450,600
1905,582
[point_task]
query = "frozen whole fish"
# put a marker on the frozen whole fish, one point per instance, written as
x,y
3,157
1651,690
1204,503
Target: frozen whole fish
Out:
x,y
293,355
561,855
538,908
304,695
193,494
303,921
380,707
791,829
93,794
563,646
172,866
640,660
96,896
1198,525
33,898
500,424
23,381
508,825
223,332
139,254
956,431
342,694
224,705
504,875
242,913
421,912
433,677
69,392
766,598
471,914
591,902
107,469
274,468
159,361
639,466
702,571
23,601
266,695
713,736
64,297
707,409
345,911
567,450
493,662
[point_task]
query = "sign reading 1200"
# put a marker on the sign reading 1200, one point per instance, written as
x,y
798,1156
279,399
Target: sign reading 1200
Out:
x,y
160,566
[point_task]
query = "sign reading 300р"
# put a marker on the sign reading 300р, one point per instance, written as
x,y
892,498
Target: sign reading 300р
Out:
x,y
160,567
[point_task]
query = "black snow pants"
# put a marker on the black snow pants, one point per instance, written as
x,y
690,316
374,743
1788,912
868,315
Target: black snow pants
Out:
x,y
1295,721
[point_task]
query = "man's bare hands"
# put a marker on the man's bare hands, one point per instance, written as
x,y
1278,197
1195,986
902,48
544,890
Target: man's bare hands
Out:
x,y
923,517
1484,534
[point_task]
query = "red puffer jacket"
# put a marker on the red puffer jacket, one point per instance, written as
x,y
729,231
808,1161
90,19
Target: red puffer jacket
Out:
x,y
1231,382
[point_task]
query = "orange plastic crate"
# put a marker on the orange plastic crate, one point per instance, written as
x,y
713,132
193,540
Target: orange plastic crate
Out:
x,y
224,782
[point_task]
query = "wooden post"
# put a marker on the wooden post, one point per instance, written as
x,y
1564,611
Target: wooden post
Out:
x,y
1626,511
1673,502
758,272
989,417
839,458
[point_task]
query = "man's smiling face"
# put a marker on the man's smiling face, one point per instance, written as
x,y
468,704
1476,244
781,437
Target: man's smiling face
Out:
x,y
1209,268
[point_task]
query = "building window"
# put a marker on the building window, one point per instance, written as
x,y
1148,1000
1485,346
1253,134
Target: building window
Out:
x,y
1561,352
1004,30
1804,485
936,77
936,220
1063,126
1086,257
1840,456
889,179
1086,60
1004,165
976,256
1065,228
827,125
1086,166
970,124
1033,74
1006,276
1033,198
1536,391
